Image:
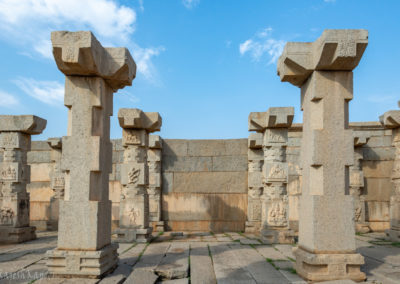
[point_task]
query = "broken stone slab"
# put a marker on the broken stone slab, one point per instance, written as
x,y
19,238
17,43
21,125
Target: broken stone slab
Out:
x,y
80,53
28,124
152,256
137,119
178,281
175,264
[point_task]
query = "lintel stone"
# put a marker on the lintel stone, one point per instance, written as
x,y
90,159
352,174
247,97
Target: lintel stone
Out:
x,y
29,124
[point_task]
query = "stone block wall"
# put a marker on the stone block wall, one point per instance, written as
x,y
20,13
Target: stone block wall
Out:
x,y
205,184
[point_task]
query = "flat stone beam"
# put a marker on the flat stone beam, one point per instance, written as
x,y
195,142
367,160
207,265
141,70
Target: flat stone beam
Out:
x,y
275,117
93,73
137,119
15,142
81,54
391,119
335,50
255,140
28,124
323,71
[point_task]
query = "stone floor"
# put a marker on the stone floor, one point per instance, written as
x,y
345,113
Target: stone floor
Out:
x,y
196,258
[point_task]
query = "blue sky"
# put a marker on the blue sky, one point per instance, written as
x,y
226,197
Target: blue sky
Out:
x,y
203,64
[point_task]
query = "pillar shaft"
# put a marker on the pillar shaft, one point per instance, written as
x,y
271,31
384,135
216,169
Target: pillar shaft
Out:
x,y
15,142
323,71
93,74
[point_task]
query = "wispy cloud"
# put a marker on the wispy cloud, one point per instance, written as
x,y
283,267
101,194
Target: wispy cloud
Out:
x,y
263,43
7,100
48,92
190,4
28,23
385,99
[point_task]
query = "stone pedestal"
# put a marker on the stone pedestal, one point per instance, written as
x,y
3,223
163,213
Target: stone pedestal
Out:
x,y
391,119
93,74
15,142
255,186
57,183
357,184
134,205
154,188
274,124
323,70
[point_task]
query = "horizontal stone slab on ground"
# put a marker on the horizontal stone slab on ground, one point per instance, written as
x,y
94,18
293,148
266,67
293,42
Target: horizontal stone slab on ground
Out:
x,y
175,264
201,266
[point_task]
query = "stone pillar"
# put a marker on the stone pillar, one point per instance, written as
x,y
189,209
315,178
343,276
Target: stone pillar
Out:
x,y
15,142
391,119
57,183
93,74
274,125
357,184
323,71
154,186
255,186
134,206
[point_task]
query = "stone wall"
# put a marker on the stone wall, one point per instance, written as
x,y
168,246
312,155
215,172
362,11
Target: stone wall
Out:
x,y
205,181
204,184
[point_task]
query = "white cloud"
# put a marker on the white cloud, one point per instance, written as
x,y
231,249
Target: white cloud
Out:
x,y
263,43
48,92
29,22
8,100
189,4
385,99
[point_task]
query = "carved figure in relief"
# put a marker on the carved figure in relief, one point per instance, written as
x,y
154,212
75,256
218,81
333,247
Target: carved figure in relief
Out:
x,y
254,192
277,172
133,176
132,139
59,182
9,173
277,215
6,215
357,214
133,214
9,141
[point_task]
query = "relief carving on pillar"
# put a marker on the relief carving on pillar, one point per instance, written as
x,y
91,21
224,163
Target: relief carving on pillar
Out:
x,y
6,216
133,176
9,174
277,214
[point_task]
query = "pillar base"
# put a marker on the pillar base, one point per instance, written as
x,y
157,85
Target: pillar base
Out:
x,y
11,235
252,227
82,264
394,235
159,226
129,235
325,267
362,228
278,236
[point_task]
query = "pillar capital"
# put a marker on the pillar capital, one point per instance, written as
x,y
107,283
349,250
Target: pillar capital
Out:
x,y
334,50
133,118
80,53
391,119
360,139
274,117
55,143
28,124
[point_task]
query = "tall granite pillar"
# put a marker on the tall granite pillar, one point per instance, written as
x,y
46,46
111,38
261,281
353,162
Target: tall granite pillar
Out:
x,y
255,158
357,184
93,74
15,142
134,206
57,183
154,186
323,71
274,125
391,119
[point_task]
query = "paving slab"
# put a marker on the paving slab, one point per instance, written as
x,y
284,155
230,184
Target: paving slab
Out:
x,y
228,268
176,281
15,265
201,267
286,250
292,277
284,264
270,252
175,264
142,276
118,276
249,242
387,254
131,256
152,256
256,264
384,273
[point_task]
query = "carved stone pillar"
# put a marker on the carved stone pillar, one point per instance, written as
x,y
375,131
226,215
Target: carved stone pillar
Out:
x,y
255,186
15,142
357,184
134,206
391,119
93,74
57,183
154,187
323,70
274,125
